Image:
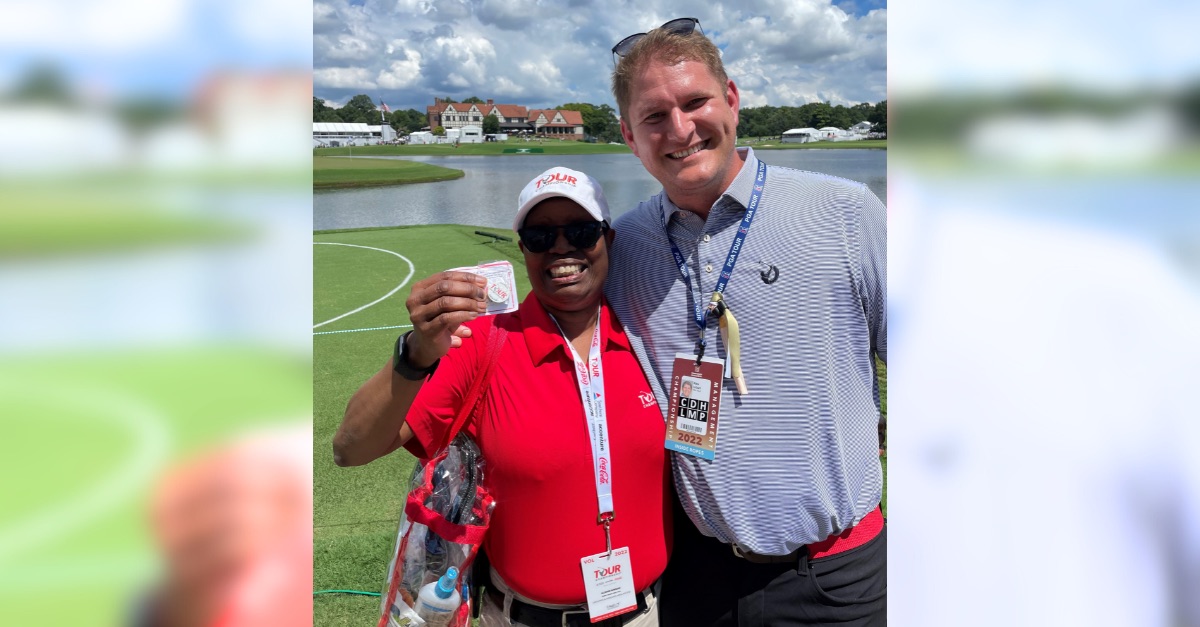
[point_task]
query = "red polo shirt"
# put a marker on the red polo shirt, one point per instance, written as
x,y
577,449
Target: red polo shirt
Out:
x,y
534,437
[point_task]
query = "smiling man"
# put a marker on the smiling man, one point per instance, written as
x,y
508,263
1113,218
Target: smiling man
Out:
x,y
781,489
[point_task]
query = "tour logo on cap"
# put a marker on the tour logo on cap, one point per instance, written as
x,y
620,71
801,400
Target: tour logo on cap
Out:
x,y
557,177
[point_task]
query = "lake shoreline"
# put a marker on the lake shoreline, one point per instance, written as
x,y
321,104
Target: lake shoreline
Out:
x,y
362,184
487,194
339,173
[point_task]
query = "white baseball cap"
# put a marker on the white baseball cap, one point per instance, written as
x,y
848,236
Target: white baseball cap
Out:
x,y
567,183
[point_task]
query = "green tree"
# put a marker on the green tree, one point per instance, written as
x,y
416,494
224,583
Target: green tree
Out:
x,y
878,117
756,122
439,131
861,111
408,120
449,99
599,122
360,109
417,120
472,100
491,124
840,117
323,112
606,124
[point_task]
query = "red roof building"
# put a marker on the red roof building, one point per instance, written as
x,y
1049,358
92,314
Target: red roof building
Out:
x,y
513,118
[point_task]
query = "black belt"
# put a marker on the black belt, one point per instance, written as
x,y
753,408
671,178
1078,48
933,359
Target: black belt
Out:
x,y
538,616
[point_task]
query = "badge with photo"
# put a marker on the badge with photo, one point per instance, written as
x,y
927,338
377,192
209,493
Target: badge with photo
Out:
x,y
695,406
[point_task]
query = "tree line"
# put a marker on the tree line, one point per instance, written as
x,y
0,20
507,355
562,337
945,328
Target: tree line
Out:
x,y
363,110
601,123
768,121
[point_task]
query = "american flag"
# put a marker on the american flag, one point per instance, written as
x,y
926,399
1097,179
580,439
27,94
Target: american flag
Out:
x,y
384,107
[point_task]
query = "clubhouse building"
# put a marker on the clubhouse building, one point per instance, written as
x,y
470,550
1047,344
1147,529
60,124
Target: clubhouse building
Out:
x,y
514,119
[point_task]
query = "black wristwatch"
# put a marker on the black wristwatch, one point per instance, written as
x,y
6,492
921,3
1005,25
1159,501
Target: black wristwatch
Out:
x,y
400,361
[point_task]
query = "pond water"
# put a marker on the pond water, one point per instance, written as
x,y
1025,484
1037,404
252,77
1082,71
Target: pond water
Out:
x,y
487,193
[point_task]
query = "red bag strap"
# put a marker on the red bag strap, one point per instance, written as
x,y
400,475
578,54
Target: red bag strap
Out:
x,y
478,390
470,535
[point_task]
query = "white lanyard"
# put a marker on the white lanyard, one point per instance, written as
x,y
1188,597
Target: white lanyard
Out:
x,y
590,377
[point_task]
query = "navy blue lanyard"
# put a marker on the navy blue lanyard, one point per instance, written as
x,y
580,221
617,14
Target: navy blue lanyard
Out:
x,y
701,310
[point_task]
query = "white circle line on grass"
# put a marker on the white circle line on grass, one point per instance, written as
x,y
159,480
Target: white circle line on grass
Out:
x,y
398,326
120,486
411,270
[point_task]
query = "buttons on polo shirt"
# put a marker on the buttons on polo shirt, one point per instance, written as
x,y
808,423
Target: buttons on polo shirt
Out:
x,y
707,237
708,268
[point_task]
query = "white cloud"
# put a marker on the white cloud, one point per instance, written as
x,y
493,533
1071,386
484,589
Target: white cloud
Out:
x,y
447,10
514,15
343,78
507,88
401,74
325,18
349,48
545,52
465,61
541,74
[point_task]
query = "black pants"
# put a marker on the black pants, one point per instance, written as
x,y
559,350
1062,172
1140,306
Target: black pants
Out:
x,y
707,585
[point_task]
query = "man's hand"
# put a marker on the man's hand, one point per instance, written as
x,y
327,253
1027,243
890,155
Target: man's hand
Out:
x,y
437,306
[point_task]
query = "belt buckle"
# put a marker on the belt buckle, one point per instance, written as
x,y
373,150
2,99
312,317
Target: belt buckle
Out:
x,y
737,551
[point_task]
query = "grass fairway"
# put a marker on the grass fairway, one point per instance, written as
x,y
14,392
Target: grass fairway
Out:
x,y
329,172
356,510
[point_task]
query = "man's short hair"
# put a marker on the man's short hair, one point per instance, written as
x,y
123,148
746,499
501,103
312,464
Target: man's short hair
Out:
x,y
666,47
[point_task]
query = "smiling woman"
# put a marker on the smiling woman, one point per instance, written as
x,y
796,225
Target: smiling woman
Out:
x,y
336,172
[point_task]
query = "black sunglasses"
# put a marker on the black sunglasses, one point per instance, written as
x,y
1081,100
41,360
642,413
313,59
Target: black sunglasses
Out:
x,y
581,235
679,26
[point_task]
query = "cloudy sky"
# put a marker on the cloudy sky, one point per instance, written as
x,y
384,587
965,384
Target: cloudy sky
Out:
x,y
543,53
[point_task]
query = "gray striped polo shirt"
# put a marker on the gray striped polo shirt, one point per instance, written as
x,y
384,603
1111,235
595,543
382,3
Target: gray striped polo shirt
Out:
x,y
797,458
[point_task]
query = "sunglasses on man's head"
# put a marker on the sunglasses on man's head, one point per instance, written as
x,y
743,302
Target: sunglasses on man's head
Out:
x,y
679,26
581,235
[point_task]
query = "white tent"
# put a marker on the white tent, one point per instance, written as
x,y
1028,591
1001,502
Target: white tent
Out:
x,y
830,132
345,133
799,135
471,135
421,137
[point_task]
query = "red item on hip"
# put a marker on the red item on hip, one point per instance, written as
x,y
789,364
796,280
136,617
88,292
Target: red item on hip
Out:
x,y
854,537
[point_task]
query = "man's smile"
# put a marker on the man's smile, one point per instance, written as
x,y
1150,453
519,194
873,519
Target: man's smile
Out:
x,y
689,151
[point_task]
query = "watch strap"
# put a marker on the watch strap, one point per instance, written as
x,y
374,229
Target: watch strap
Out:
x,y
400,361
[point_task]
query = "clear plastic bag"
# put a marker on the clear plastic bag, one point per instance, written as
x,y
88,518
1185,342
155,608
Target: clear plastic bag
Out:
x,y
445,518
